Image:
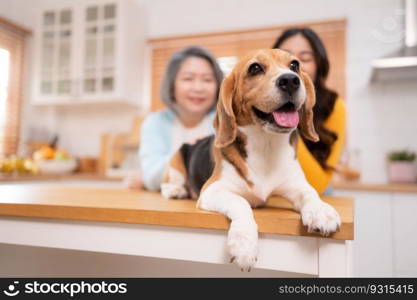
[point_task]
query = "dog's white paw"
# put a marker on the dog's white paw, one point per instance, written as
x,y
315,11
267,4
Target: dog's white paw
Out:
x,y
320,217
242,243
173,191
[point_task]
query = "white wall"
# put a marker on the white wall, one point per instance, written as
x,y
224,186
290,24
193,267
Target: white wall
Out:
x,y
380,115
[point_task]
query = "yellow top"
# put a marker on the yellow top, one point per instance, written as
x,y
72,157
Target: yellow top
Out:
x,y
315,174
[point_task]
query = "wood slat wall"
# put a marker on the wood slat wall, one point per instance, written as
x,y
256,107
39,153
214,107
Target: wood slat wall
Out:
x,y
237,43
12,39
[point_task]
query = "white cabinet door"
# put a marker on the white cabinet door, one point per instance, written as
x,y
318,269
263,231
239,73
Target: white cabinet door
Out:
x,y
57,54
372,247
99,50
89,52
385,242
404,222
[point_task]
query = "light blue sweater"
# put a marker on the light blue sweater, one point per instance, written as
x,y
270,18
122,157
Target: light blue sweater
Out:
x,y
155,148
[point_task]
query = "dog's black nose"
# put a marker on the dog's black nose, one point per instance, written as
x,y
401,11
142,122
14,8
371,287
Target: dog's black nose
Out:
x,y
288,83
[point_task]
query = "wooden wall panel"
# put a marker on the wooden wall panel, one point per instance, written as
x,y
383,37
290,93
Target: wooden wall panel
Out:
x,y
237,43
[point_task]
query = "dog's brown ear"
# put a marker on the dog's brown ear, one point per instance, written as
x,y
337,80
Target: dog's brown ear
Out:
x,y
306,121
225,120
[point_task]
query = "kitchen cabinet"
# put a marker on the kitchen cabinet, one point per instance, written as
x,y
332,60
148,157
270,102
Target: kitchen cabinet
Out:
x,y
385,226
404,246
89,52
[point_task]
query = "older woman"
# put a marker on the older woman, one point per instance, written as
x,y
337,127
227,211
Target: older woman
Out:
x,y
189,90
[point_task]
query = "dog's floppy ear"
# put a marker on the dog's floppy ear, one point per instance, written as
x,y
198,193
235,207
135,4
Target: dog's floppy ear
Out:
x,y
225,120
306,120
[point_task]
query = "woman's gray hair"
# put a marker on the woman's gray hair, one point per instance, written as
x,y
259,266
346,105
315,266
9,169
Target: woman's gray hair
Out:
x,y
168,83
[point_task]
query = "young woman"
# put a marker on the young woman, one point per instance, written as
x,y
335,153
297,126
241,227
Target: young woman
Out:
x,y
190,90
320,159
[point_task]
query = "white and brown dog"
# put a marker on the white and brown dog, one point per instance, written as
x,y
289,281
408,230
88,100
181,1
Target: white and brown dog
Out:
x,y
253,154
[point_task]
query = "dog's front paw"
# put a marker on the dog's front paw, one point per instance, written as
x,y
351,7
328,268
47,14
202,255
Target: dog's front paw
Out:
x,y
320,217
173,191
242,243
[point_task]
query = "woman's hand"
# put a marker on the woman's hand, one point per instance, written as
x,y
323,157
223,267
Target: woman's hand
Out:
x,y
133,182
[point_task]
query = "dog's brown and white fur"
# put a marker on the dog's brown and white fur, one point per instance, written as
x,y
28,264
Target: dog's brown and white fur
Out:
x,y
254,157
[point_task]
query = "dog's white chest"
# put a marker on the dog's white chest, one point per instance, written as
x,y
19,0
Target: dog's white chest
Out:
x,y
270,161
266,178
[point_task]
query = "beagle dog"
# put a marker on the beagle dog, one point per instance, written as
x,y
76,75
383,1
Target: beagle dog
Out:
x,y
252,157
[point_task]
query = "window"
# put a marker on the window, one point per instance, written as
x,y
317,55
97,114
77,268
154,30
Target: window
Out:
x,y
4,81
12,47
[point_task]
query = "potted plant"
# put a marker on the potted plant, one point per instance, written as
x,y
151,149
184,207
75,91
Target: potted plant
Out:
x,y
401,166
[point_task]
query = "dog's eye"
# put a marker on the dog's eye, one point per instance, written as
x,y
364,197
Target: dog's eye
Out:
x,y
295,66
255,69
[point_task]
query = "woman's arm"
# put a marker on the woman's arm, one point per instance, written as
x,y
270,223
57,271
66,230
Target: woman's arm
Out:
x,y
315,174
154,151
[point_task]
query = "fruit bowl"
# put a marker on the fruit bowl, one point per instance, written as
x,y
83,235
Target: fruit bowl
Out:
x,y
56,166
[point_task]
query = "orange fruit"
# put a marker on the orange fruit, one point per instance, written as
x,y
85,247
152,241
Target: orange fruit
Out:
x,y
47,152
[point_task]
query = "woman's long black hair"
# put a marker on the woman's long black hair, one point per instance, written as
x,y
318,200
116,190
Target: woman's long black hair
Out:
x,y
325,98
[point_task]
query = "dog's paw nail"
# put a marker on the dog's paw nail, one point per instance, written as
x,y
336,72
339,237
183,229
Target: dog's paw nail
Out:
x,y
310,230
241,269
249,269
232,259
321,218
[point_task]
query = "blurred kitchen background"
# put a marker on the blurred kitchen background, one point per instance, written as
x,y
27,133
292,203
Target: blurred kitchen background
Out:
x,y
80,99
86,72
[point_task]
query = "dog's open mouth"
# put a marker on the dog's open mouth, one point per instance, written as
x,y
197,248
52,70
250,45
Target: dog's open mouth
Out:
x,y
285,116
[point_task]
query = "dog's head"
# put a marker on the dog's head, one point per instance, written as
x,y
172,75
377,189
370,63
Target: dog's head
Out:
x,y
268,89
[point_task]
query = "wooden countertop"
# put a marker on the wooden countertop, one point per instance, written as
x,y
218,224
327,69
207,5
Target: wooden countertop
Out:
x,y
376,187
63,177
142,207
343,185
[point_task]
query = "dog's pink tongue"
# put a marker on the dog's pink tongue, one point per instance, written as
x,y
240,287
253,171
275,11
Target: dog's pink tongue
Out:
x,y
286,119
